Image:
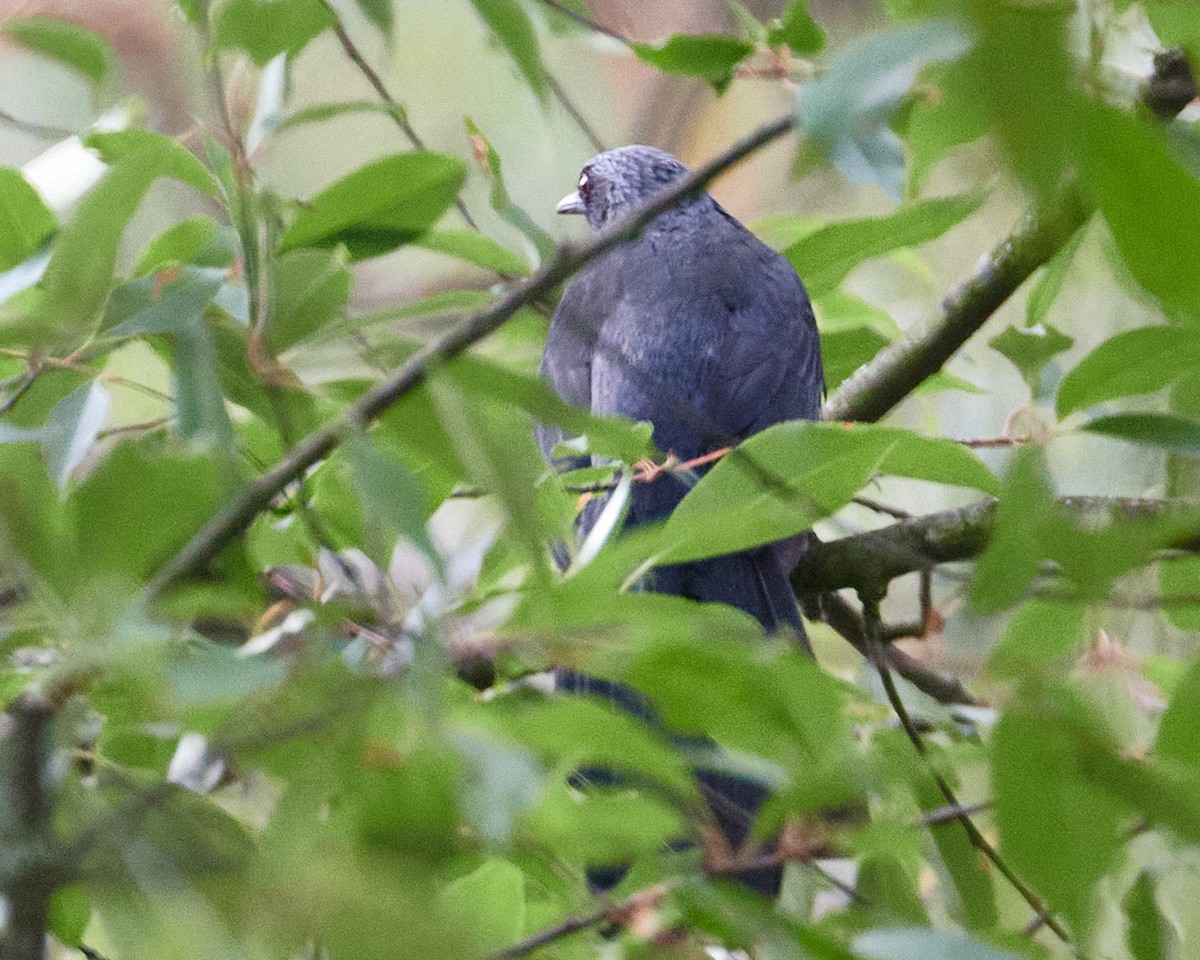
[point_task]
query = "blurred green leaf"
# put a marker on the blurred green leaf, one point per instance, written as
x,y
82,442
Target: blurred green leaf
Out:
x,y
1150,202
1030,348
72,428
1014,553
25,222
393,500
713,57
1049,285
81,267
490,901
917,943
951,113
319,112
1167,430
69,44
1137,361
199,241
380,206
508,21
171,157
267,28
70,911
844,351
489,160
474,248
1147,934
845,114
1039,635
825,257
797,29
1177,729
1056,827
311,288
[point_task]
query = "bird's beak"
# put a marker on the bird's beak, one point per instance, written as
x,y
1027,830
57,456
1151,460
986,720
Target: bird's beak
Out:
x,y
571,203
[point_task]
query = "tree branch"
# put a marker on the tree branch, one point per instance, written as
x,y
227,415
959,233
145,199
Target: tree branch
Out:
x,y
878,386
872,559
237,515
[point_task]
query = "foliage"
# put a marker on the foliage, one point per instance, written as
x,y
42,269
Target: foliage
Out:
x,y
278,752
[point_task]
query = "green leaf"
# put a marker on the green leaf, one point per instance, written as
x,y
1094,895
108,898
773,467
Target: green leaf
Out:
x,y
844,351
1049,285
1030,348
712,57
70,911
1015,552
25,222
1150,202
1039,634
171,157
474,248
318,112
845,114
74,424
508,21
380,206
1167,430
267,28
921,943
797,29
1056,828
825,258
487,158
311,289
199,241
1147,936
802,472
69,44
380,13
933,459
490,901
80,272
949,115
1138,361
1177,729
394,501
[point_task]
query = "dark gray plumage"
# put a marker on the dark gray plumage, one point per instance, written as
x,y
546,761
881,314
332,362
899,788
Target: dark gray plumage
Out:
x,y
703,330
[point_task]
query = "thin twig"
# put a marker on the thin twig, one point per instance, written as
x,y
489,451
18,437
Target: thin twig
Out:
x,y
27,381
586,21
870,604
394,109
561,95
46,131
237,515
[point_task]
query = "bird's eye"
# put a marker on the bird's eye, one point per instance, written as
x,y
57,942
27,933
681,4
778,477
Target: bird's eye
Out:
x,y
585,185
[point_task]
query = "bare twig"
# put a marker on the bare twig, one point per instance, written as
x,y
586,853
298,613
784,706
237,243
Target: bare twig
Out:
x,y
879,658
564,99
394,109
237,515
585,21
44,130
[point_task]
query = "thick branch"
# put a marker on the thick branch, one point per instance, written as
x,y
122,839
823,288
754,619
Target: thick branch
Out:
x,y
899,369
236,516
872,559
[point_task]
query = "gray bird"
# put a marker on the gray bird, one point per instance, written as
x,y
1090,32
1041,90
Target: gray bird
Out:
x,y
703,330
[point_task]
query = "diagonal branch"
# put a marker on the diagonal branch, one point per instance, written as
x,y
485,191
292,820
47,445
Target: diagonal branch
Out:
x,y
236,516
875,388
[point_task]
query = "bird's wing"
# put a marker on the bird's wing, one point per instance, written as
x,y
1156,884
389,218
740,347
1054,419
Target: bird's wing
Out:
x,y
768,365
567,360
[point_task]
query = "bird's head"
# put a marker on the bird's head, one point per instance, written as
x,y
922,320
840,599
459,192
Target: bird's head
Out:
x,y
617,181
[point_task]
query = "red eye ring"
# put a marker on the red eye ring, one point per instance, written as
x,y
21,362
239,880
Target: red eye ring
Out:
x,y
585,185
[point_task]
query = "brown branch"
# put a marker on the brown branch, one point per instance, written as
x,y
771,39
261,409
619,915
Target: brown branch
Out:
x,y
237,515
872,559
875,388
36,871
879,658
